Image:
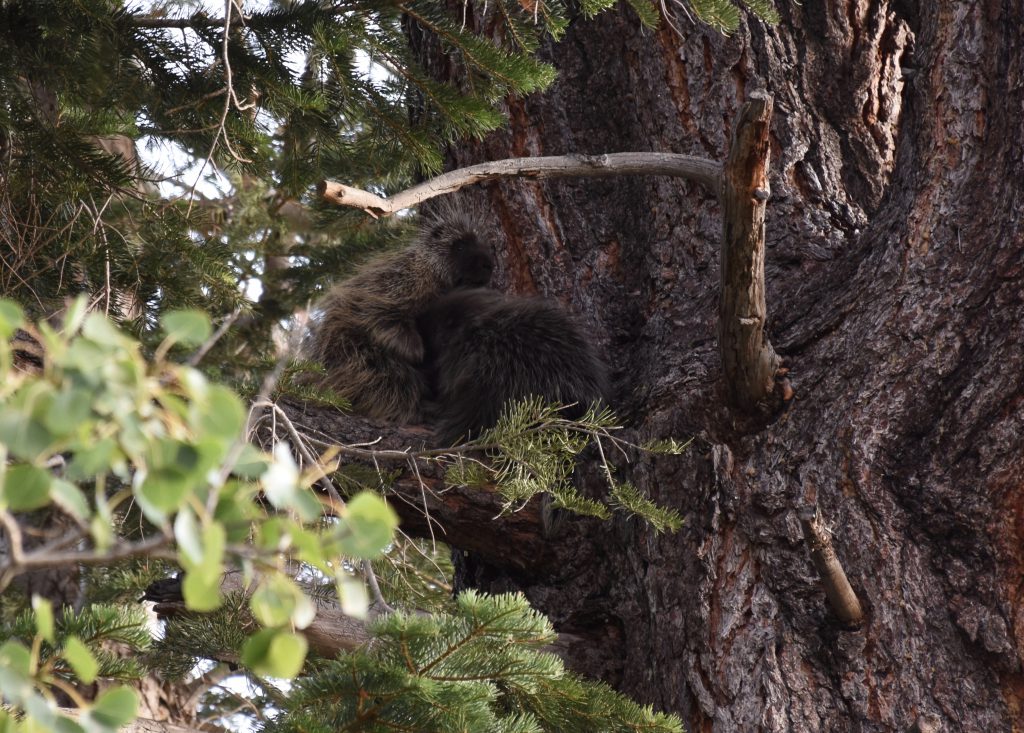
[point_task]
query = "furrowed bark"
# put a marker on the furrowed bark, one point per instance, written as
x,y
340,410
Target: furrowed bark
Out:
x,y
894,273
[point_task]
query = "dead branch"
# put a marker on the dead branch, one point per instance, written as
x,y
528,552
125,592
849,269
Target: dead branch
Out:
x,y
749,362
837,587
706,172
143,725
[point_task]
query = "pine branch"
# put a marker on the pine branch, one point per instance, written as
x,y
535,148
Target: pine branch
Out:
x,y
425,501
706,172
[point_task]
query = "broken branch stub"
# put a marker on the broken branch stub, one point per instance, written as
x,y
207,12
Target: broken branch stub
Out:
x,y
840,594
749,362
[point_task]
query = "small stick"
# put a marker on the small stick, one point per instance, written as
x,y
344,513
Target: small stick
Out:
x,y
837,587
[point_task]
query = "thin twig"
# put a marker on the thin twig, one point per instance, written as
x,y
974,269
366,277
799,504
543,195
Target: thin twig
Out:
x,y
217,335
93,557
371,580
15,540
426,510
300,446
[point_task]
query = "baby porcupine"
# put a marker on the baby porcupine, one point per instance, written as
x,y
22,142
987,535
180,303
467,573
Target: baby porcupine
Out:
x,y
365,333
485,349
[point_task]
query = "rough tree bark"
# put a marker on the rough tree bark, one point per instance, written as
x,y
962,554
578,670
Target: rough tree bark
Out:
x,y
895,286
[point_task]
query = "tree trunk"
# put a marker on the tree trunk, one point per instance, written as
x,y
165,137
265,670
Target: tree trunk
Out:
x,y
895,293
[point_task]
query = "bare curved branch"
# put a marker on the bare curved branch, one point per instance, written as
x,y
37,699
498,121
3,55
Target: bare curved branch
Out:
x,y
706,172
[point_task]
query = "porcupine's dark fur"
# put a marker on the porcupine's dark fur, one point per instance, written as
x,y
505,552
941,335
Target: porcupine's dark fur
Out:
x,y
365,331
485,349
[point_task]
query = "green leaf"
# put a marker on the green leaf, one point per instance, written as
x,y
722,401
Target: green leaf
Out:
x,y
25,488
176,470
25,437
190,327
101,526
70,498
15,666
115,707
161,493
368,526
187,535
81,659
352,594
222,415
275,653
16,658
203,560
91,460
201,593
281,479
236,510
251,464
75,314
40,714
279,601
311,548
104,333
12,317
68,410
44,617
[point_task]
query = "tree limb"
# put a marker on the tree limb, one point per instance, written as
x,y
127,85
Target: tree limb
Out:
x,y
703,171
749,362
330,632
412,478
47,559
141,725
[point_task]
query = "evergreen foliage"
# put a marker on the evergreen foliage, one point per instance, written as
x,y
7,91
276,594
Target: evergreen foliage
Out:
x,y
481,667
533,449
155,461
154,457
277,100
273,100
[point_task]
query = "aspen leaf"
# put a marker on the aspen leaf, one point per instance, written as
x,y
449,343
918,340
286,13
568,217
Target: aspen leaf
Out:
x,y
190,327
81,659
